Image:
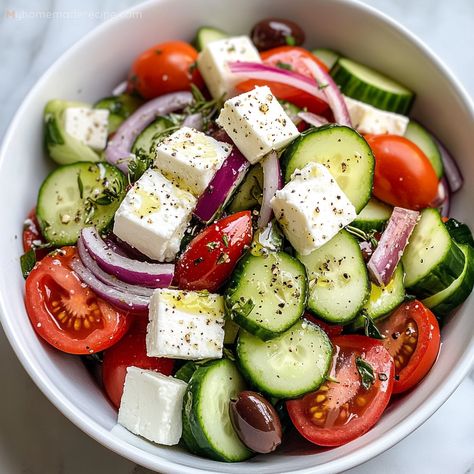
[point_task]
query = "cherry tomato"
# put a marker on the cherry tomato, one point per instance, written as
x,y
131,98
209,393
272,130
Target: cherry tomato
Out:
x,y
211,256
166,67
290,57
403,174
32,236
340,412
65,312
129,351
332,330
412,337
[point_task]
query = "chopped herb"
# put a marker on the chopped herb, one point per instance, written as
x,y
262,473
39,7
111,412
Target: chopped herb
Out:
x,y
138,165
322,86
409,298
228,354
52,133
361,235
366,372
244,308
27,262
283,65
212,245
225,239
370,329
290,40
223,258
80,185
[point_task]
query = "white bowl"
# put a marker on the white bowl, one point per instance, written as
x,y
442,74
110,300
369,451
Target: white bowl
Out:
x,y
90,70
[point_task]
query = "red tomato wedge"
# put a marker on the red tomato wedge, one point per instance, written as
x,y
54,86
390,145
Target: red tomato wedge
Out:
x,y
129,351
211,256
32,236
412,337
332,330
65,312
340,412
290,57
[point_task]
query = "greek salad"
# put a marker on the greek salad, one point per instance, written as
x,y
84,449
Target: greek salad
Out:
x,y
247,240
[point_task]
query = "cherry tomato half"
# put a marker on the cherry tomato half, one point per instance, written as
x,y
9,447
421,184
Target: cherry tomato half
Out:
x,y
129,351
340,412
211,256
412,337
65,312
166,67
403,174
32,236
290,57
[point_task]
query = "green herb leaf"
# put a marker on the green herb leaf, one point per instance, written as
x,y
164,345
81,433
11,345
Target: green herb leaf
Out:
x,y
370,329
52,132
290,40
212,245
225,239
244,308
228,354
283,65
223,258
366,372
322,86
27,262
80,185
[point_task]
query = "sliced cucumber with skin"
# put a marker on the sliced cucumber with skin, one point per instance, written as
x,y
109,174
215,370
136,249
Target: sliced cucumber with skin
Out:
x,y
76,196
367,85
338,279
383,299
207,34
249,194
447,300
120,107
374,216
327,56
288,366
345,154
432,260
423,139
207,428
153,134
459,232
266,295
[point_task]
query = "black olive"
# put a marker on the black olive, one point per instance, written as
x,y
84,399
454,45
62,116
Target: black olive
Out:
x,y
256,422
273,32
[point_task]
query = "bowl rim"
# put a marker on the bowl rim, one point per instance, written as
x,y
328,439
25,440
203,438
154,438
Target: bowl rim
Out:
x,y
89,426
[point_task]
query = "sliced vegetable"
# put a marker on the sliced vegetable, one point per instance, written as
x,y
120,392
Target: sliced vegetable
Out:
x,y
249,194
272,182
327,56
151,136
312,119
459,232
374,216
120,107
205,35
451,169
32,238
442,200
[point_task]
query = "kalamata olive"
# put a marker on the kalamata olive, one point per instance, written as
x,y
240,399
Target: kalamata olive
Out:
x,y
273,32
256,422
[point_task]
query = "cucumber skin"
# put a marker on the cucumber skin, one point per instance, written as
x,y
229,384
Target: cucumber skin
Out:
x,y
198,42
459,232
251,326
194,436
358,90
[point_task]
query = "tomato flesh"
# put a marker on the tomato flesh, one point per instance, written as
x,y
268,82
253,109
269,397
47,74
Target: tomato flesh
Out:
x,y
212,255
32,236
66,313
340,412
412,337
331,330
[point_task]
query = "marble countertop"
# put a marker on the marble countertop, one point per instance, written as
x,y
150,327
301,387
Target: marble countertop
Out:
x,y
35,438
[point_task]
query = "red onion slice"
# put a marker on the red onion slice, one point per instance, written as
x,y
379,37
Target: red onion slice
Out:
x,y
152,275
195,121
272,182
118,149
106,278
391,246
120,299
332,93
443,199
313,119
222,185
119,89
451,169
269,73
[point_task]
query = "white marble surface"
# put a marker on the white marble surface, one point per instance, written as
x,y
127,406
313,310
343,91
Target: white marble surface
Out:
x,y
34,437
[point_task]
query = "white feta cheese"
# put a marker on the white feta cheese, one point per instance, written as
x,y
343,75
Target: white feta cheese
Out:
x,y
312,208
367,119
151,406
257,123
190,159
154,215
87,125
213,63
185,325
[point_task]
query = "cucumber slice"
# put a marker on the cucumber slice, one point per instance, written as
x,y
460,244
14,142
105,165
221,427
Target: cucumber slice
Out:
x,y
207,429
267,295
447,300
420,137
345,154
383,299
362,83
432,260
338,279
249,193
459,232
230,331
76,196
153,134
327,56
289,365
120,107
374,216
206,34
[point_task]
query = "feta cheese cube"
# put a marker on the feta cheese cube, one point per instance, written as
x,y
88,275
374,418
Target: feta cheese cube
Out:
x,y
151,406
185,325
312,208
154,215
213,63
367,119
190,159
257,123
87,125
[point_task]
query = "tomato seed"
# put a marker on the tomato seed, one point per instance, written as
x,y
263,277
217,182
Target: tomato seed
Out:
x,y
320,398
